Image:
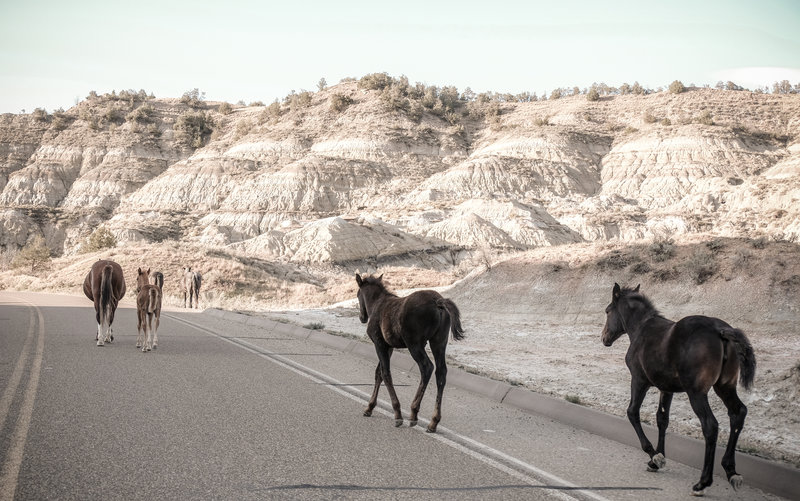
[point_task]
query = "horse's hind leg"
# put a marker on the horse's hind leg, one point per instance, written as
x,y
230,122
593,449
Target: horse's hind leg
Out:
x,y
139,328
425,371
157,321
737,412
708,422
662,418
441,381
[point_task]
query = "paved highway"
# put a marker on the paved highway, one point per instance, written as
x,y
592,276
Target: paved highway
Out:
x,y
229,411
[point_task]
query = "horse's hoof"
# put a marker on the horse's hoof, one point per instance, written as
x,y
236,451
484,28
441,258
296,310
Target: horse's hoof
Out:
x,y
138,345
736,481
367,413
430,430
398,422
154,347
99,343
699,493
413,423
656,462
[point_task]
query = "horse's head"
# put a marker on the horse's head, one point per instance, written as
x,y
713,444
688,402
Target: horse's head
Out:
x,y
615,325
142,279
368,287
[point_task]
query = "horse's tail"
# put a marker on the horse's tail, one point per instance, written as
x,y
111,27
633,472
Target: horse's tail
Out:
x,y
152,297
105,294
455,317
744,352
197,281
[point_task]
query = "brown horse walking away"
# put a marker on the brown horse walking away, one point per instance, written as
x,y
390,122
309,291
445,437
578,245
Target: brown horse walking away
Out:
x,y
105,286
190,283
695,354
148,309
408,322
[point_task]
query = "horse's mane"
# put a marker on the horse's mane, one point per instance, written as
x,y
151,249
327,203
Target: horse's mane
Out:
x,y
629,293
372,280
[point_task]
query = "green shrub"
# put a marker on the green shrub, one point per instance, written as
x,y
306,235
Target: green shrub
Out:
x,y
705,118
144,114
100,239
40,115
677,87
193,98
648,118
375,81
35,255
593,95
701,265
61,119
193,128
339,102
662,249
225,108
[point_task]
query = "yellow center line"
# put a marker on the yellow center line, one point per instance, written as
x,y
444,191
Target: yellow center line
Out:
x,y
13,460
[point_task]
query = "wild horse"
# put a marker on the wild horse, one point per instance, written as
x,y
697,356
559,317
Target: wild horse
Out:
x,y
105,286
148,311
408,322
695,354
190,283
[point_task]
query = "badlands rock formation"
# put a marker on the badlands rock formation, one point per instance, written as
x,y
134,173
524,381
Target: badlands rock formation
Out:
x,y
315,185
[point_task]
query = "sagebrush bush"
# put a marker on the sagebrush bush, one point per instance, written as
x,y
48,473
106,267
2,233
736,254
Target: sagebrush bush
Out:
x,y
35,255
701,265
100,239
339,102
593,95
676,87
662,249
193,128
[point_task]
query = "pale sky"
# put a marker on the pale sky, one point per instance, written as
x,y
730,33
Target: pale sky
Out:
x,y
54,52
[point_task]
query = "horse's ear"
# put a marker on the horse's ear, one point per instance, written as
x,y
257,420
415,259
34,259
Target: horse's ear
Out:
x,y
148,271
617,290
380,278
140,271
637,288
359,281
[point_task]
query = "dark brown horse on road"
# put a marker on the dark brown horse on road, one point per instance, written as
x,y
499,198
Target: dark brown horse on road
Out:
x,y
190,283
105,286
408,322
148,311
695,354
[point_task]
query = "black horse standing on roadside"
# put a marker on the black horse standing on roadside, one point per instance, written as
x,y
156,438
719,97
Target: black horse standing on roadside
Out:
x,y
695,354
408,322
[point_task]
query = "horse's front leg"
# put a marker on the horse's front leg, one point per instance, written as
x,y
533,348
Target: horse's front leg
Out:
x,y
662,418
638,392
373,400
384,354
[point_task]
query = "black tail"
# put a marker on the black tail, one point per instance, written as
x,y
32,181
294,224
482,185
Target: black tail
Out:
x,y
744,352
105,293
455,318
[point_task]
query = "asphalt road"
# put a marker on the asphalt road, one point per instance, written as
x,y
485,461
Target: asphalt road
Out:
x,y
228,411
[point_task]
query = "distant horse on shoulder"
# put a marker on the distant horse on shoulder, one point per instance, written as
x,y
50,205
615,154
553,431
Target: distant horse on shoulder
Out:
x,y
148,311
408,322
157,278
105,286
695,354
190,283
